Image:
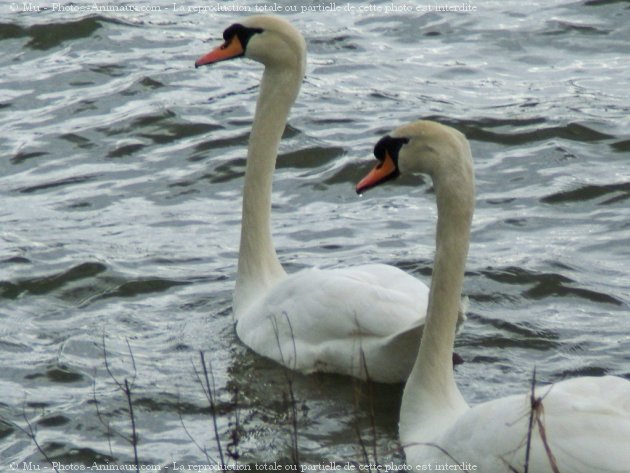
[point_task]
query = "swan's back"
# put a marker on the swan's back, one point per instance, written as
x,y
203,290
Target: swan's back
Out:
x,y
335,319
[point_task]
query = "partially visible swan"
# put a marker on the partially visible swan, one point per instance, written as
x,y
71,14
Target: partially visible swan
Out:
x,y
336,320
586,421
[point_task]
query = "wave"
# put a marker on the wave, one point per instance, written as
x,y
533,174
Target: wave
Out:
x,y
49,35
618,193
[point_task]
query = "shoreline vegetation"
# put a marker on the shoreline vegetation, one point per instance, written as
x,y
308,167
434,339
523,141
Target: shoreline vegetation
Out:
x,y
227,455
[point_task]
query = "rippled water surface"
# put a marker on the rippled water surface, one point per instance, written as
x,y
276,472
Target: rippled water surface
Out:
x,y
120,177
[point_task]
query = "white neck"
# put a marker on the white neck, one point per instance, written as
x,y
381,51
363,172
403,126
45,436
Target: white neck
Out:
x,y
431,400
258,264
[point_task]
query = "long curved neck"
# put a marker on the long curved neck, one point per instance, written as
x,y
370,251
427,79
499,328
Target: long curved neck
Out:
x,y
431,399
258,264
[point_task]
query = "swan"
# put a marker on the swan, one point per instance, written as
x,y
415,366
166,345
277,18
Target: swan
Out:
x,y
585,421
363,321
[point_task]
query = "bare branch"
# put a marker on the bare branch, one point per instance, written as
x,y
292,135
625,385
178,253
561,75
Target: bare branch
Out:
x,y
134,433
532,401
210,391
202,449
295,453
32,434
133,363
232,446
357,427
125,388
102,419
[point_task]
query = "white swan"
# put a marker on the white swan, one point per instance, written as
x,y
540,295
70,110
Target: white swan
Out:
x,y
586,421
335,320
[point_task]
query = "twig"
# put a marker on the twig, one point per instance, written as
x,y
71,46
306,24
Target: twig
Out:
x,y
295,452
536,412
232,447
530,426
293,404
32,434
370,394
550,456
507,464
210,391
203,450
370,386
102,419
125,387
134,434
357,427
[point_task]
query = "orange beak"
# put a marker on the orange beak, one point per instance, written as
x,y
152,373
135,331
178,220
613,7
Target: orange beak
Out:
x,y
382,172
227,50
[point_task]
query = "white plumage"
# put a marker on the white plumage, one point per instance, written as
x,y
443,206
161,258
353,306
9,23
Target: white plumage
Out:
x,y
579,425
314,320
585,423
334,320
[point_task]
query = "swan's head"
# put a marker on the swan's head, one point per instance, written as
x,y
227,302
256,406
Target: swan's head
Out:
x,y
420,147
269,40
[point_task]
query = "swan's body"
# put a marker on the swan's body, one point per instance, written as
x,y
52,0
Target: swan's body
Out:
x,y
585,422
313,320
346,317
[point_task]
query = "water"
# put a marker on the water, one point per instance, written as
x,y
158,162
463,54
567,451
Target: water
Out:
x,y
121,170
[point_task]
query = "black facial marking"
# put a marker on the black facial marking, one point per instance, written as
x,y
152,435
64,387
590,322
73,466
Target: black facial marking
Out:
x,y
243,33
386,145
391,145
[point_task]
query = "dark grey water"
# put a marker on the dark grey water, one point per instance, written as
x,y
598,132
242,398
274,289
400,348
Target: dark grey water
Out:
x,y
120,176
